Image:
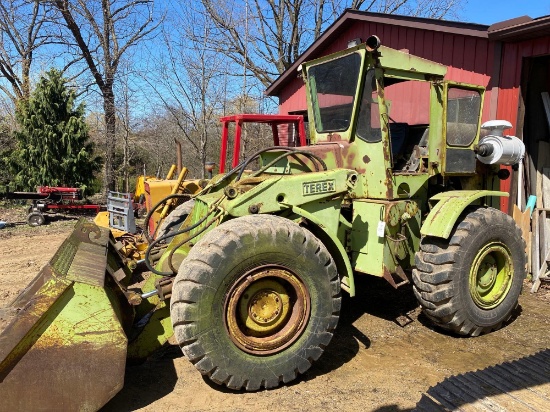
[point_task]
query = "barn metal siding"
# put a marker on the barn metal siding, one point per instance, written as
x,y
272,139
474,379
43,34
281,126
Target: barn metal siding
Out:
x,y
510,78
509,86
470,59
293,97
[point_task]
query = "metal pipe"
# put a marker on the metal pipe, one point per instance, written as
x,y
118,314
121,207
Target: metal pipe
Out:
x,y
147,295
171,172
175,190
179,163
372,43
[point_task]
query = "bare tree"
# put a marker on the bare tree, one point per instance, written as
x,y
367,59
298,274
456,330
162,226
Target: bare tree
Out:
x,y
125,117
263,35
104,31
22,24
156,136
435,9
188,80
267,36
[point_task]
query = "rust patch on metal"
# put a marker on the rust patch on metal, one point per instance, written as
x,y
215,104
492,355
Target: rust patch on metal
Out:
x,y
333,150
366,159
379,88
388,181
349,160
88,265
30,308
345,149
399,273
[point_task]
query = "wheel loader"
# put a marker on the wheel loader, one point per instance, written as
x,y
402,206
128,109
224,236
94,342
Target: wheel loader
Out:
x,y
396,182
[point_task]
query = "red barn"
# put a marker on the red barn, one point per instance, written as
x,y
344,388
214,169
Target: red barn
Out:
x,y
511,59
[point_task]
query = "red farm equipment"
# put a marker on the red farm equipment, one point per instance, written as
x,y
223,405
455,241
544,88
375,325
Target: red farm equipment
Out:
x,y
51,200
274,120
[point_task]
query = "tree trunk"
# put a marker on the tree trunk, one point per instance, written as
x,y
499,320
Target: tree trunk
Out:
x,y
110,137
25,71
126,161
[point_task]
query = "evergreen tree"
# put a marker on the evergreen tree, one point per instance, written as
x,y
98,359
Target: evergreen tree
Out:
x,y
53,147
7,145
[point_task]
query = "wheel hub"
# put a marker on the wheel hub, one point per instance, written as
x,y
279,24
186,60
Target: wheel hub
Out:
x,y
265,307
266,310
487,273
491,275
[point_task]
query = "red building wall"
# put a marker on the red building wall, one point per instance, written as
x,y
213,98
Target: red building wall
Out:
x,y
510,75
509,85
470,59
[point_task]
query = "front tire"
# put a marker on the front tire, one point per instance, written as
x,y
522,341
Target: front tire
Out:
x,y
35,219
470,284
255,302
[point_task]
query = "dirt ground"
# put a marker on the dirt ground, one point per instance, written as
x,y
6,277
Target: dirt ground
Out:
x,y
383,356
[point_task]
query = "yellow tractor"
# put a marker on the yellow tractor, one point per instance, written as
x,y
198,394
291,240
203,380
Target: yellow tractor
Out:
x,y
150,191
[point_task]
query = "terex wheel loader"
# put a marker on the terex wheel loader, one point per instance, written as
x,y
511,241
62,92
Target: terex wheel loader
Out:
x,y
395,178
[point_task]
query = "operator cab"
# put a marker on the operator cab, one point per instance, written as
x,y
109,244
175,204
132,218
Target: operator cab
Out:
x,y
396,108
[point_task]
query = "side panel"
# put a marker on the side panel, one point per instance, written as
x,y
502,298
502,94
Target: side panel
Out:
x,y
385,236
274,194
367,248
332,242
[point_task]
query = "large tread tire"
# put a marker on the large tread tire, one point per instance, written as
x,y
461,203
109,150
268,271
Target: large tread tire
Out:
x,y
173,221
206,281
443,275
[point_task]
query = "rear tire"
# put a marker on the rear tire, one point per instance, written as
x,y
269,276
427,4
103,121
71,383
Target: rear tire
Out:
x,y
173,221
255,302
470,283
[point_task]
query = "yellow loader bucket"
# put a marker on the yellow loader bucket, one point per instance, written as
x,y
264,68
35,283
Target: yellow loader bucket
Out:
x,y
65,348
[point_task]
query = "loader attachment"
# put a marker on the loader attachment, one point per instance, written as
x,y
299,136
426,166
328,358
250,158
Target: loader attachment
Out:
x,y
65,348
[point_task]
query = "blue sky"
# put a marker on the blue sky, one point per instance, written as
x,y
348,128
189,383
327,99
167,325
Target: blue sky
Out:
x,y
493,11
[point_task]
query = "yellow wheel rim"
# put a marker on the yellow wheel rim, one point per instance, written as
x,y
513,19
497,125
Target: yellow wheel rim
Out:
x,y
491,275
266,310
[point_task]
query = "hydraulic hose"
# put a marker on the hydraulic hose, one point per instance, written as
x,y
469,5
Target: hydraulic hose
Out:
x,y
176,247
179,232
155,207
240,168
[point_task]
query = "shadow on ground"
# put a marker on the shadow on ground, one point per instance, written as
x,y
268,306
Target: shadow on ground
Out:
x,y
148,382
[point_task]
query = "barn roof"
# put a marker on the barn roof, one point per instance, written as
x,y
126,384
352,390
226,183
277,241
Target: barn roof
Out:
x,y
351,16
520,28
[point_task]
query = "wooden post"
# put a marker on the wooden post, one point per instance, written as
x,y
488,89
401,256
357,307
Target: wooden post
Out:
x,y
536,250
